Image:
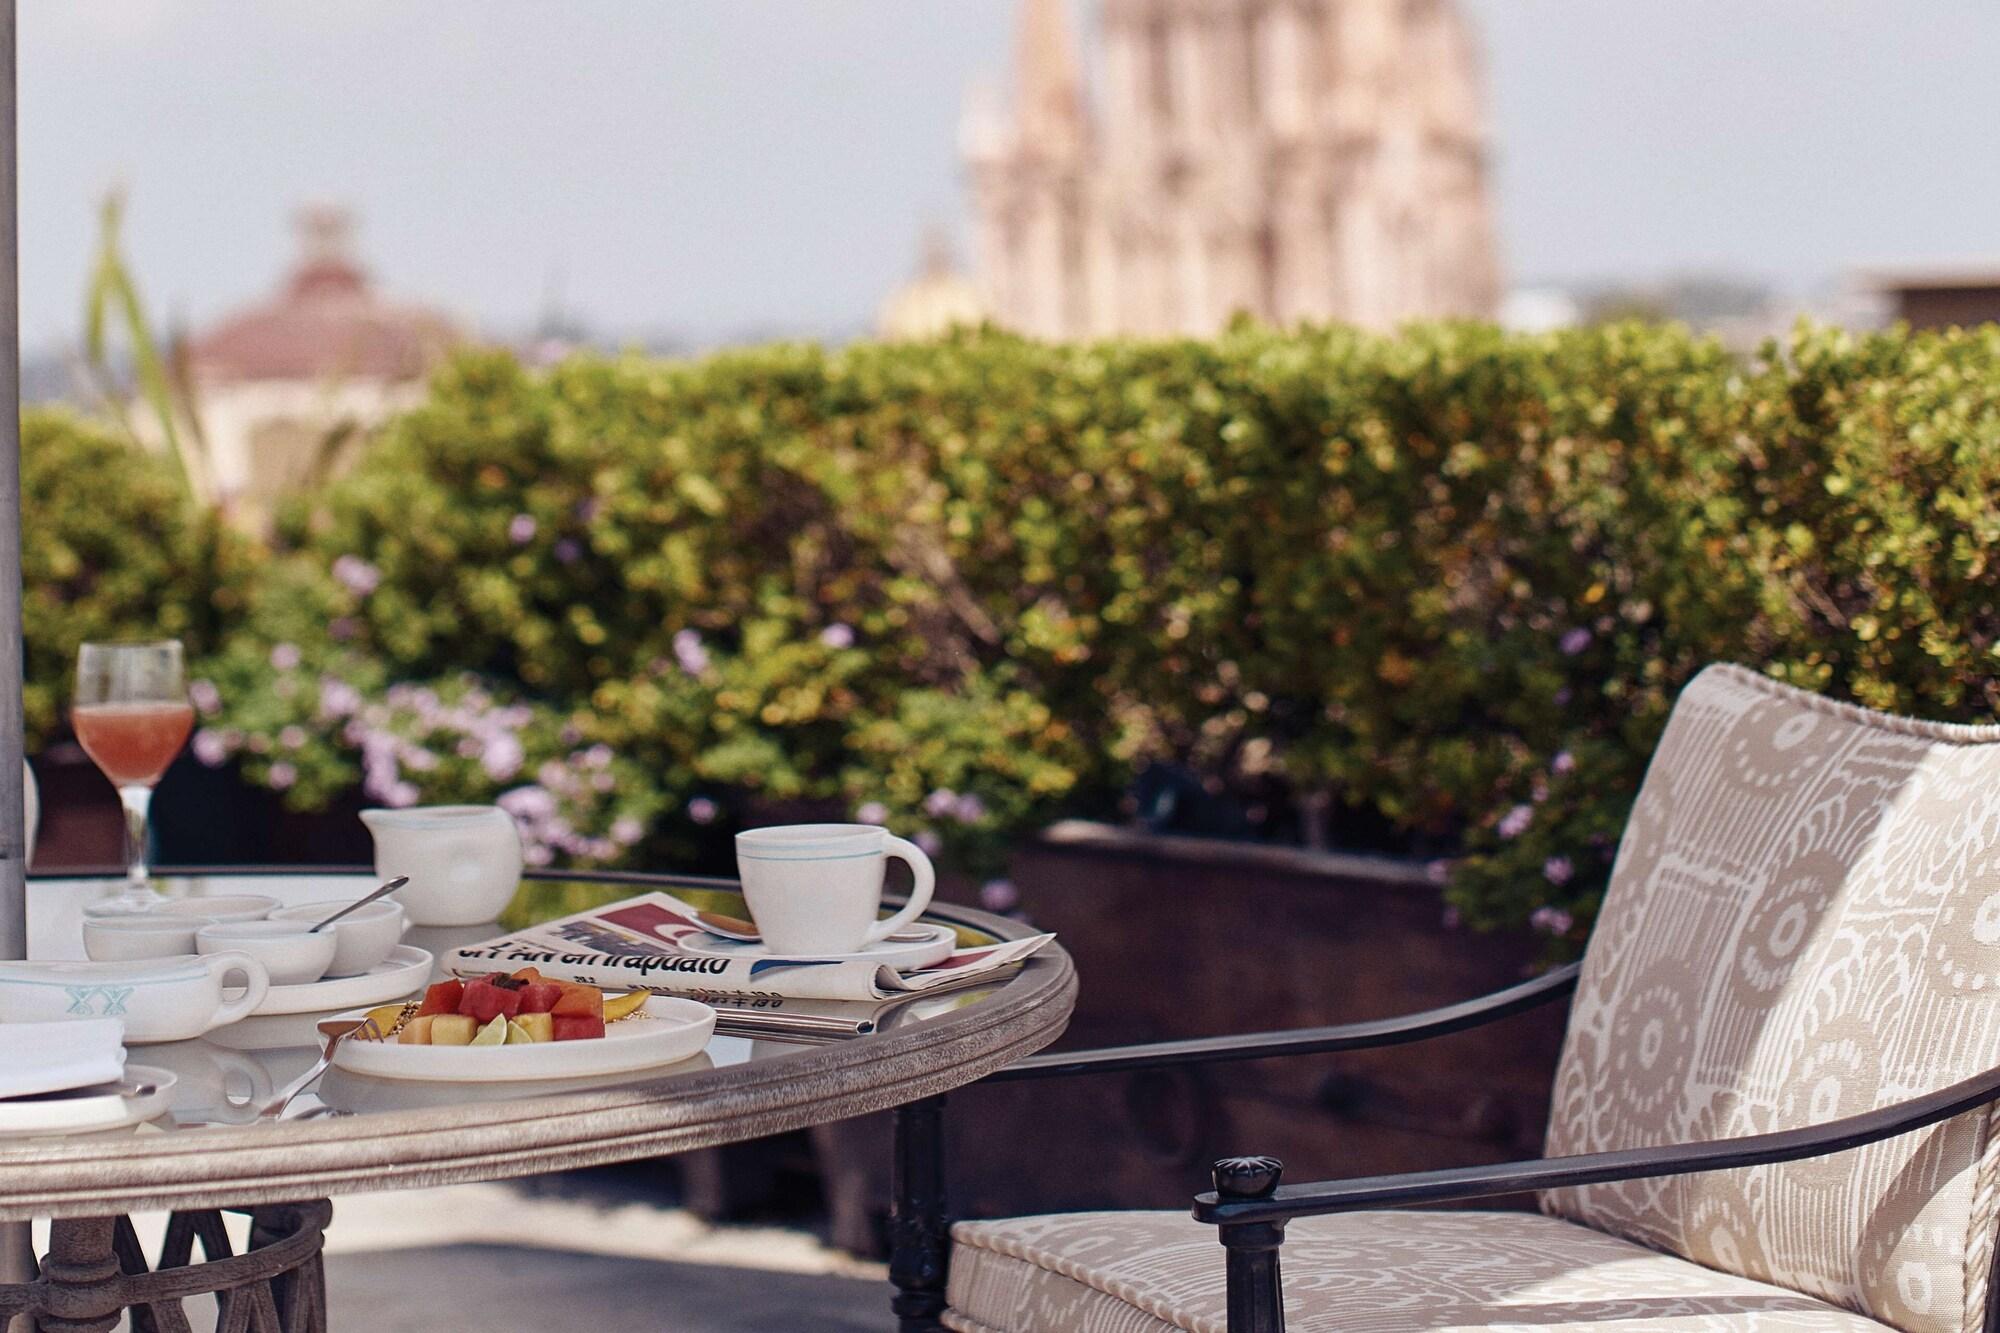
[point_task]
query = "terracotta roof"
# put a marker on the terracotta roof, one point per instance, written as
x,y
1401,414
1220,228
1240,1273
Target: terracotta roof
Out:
x,y
325,323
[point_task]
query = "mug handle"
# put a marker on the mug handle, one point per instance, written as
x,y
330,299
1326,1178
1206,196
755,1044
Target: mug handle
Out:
x,y
256,985
912,856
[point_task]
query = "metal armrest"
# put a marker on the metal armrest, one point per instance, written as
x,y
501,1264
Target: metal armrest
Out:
x,y
1553,985
1421,1187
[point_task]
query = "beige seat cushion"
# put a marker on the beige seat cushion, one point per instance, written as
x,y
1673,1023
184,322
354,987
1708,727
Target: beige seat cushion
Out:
x,y
1380,1272
1803,923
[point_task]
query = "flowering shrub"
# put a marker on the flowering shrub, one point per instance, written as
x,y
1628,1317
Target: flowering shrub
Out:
x,y
1446,584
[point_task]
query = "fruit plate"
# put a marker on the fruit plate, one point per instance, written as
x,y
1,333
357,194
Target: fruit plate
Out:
x,y
663,1031
403,972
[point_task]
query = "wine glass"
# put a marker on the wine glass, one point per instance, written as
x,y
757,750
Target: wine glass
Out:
x,y
132,715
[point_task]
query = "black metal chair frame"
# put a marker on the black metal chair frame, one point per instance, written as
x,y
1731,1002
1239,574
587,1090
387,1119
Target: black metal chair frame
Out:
x,y
1249,1207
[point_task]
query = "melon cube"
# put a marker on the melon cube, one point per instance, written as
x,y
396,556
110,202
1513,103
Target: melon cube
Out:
x,y
417,1032
539,1027
580,1002
442,998
452,1030
486,1000
539,997
574,1027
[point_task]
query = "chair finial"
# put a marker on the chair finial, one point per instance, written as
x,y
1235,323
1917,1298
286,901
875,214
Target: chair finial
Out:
x,y
1247,1177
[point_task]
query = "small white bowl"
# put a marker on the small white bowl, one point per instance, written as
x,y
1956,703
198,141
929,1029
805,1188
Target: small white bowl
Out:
x,y
291,954
220,907
364,936
108,939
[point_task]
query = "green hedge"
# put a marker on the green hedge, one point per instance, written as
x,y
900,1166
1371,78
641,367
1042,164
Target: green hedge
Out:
x,y
110,548
1448,581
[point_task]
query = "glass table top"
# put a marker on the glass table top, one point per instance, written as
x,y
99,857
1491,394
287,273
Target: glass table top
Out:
x,y
228,1075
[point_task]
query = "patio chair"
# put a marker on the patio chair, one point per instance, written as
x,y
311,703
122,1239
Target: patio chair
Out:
x,y
1773,1109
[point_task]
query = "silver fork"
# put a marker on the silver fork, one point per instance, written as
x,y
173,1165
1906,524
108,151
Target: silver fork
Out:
x,y
335,1030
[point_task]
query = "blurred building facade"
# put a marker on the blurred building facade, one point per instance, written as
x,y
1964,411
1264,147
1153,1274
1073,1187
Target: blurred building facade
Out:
x,y
938,298
284,387
1292,159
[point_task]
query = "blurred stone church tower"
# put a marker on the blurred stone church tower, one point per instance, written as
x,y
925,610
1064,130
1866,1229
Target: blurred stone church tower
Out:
x,y
1295,159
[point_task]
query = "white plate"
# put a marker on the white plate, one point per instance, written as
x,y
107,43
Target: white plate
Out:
x,y
663,1031
87,1110
402,973
905,955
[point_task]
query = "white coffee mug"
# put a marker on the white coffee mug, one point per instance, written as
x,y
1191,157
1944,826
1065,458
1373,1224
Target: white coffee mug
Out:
x,y
160,999
817,888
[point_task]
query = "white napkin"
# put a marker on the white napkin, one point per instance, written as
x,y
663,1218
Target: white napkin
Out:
x,y
54,1057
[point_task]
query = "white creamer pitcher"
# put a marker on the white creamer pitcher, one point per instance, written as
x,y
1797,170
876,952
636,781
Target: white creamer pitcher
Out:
x,y
464,861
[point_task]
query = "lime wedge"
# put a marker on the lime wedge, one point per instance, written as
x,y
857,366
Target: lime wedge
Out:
x,y
493,1034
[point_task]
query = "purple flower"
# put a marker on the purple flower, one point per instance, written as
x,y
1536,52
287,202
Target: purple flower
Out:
x,y
1438,872
292,737
402,794
999,895
337,698
597,756
1515,822
203,695
521,530
284,656
941,802
872,812
702,810
528,803
1564,762
535,854
210,748
503,757
969,810
281,776
356,575
1563,696
626,830
1575,641
586,510
343,628
689,652
1551,920
568,551
837,636
930,842
1558,870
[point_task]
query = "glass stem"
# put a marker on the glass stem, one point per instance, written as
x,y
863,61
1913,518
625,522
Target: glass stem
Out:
x,y
138,803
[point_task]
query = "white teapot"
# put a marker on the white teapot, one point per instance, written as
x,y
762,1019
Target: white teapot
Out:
x,y
464,861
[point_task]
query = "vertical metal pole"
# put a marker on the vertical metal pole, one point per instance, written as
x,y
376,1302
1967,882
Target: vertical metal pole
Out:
x,y
919,1234
17,1251
13,855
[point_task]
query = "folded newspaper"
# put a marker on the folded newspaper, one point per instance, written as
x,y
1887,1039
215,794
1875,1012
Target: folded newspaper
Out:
x,y
656,942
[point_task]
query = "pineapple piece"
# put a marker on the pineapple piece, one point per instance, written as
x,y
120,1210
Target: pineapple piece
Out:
x,y
451,1030
517,1035
538,1027
418,1033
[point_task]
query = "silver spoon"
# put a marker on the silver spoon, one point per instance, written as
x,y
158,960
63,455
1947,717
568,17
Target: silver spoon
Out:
x,y
390,887
335,1030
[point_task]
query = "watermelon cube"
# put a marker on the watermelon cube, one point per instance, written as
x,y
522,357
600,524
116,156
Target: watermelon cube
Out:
x,y
442,998
486,1000
539,997
575,1027
580,1002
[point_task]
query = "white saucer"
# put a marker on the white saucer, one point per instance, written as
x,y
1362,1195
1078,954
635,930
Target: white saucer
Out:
x,y
905,955
403,972
664,1031
89,1110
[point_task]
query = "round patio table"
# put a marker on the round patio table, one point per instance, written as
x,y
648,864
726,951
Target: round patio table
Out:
x,y
210,1152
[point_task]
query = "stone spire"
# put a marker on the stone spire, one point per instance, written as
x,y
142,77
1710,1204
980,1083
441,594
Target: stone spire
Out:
x,y
1049,113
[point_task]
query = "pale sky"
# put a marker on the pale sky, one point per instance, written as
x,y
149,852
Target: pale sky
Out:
x,y
713,168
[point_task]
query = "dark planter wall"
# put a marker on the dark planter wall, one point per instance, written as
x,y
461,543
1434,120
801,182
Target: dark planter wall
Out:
x,y
1183,937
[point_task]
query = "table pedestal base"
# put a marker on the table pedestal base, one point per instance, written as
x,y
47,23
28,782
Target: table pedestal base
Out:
x,y
95,1271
